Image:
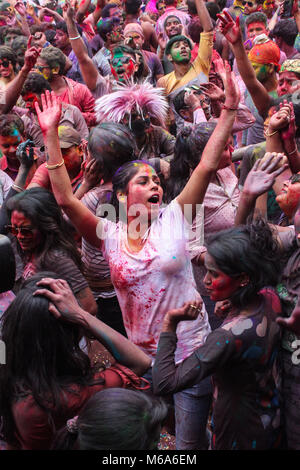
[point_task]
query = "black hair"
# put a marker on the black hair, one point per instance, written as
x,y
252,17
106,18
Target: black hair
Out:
x,y
251,249
221,3
174,39
195,29
170,2
122,48
287,30
188,150
62,26
40,206
9,123
192,10
37,28
116,419
121,180
132,6
106,25
43,356
7,53
54,57
35,83
107,8
112,145
213,10
256,17
172,16
50,36
19,42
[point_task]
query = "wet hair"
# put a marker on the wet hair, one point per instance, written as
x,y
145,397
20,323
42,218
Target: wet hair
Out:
x,y
41,208
9,123
251,249
256,17
106,25
35,83
195,29
115,419
132,6
213,9
54,57
107,8
188,150
43,356
7,53
121,180
287,30
111,145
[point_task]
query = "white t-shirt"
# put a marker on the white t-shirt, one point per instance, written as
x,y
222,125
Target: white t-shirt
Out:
x,y
156,279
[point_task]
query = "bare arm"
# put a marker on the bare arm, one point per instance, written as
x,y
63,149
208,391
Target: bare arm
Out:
x,y
204,17
13,90
82,9
20,8
88,69
257,91
195,189
86,223
64,306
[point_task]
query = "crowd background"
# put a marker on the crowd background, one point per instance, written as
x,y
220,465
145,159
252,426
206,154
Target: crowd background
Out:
x,y
150,202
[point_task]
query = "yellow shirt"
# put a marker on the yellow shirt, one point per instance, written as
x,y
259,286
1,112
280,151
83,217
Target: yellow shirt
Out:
x,y
200,64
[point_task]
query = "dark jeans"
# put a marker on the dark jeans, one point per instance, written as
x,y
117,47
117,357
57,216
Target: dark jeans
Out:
x,y
110,313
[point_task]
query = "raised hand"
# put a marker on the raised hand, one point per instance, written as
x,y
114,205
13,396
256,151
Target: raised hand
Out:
x,y
24,154
20,8
68,10
232,92
229,28
92,173
264,172
161,41
280,119
50,114
63,304
214,92
289,132
31,56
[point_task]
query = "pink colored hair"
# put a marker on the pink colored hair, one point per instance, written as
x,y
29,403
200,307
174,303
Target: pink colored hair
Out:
x,y
142,97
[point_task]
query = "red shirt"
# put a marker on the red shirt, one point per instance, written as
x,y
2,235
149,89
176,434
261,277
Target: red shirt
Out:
x,y
36,428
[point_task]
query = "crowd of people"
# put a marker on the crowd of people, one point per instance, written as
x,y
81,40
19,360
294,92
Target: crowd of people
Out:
x,y
150,203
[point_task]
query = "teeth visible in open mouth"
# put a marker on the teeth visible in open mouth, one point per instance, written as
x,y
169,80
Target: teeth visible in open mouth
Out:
x,y
154,199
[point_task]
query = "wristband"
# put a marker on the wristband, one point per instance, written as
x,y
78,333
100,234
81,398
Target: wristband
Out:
x,y
53,167
17,188
271,133
294,151
77,37
228,109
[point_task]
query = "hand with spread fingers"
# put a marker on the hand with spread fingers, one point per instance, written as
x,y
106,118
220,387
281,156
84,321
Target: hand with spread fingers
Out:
x,y
50,114
263,174
229,28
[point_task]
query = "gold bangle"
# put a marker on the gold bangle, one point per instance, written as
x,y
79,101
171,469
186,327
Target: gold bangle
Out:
x,y
53,167
270,135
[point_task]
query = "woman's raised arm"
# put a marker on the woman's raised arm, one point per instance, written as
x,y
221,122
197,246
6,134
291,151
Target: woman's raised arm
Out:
x,y
87,224
195,189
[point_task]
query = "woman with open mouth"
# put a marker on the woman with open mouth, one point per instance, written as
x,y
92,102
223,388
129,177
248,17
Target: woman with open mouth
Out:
x,y
147,251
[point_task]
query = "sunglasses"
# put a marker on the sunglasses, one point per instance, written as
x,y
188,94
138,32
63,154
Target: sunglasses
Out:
x,y
250,4
25,231
5,63
123,60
